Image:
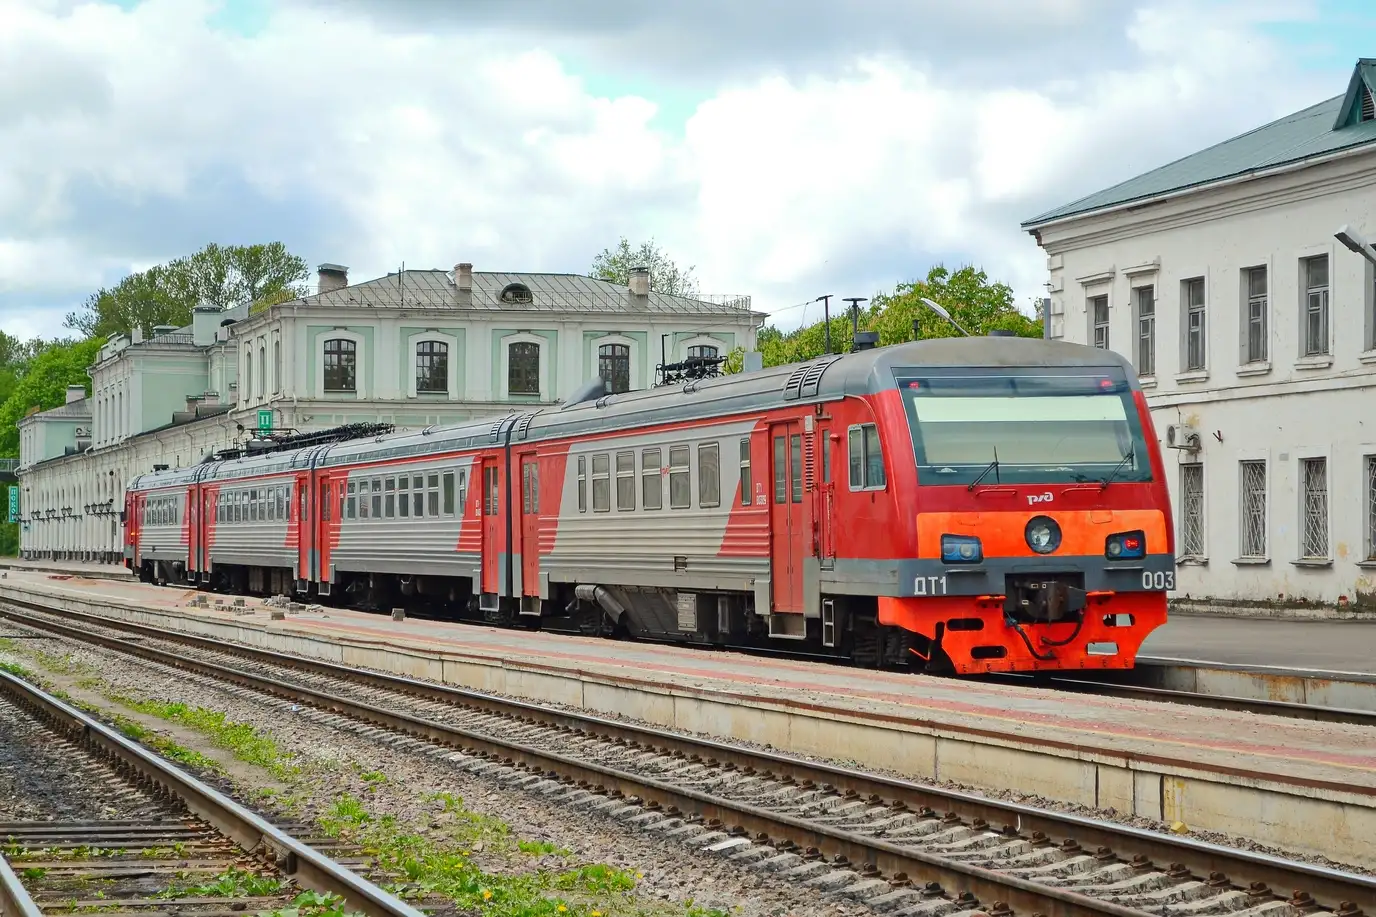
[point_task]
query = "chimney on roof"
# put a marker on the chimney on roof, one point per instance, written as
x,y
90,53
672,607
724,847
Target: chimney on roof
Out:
x,y
640,281
204,320
75,393
136,334
463,276
332,277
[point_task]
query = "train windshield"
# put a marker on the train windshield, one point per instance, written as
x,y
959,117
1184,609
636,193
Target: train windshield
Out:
x,y
1020,425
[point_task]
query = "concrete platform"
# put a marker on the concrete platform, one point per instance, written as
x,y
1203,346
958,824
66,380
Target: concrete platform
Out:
x,y
71,567
1295,784
1331,646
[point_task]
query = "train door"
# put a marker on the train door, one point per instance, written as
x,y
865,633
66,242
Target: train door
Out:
x,y
210,500
134,526
788,538
530,525
191,531
305,544
825,508
492,526
330,510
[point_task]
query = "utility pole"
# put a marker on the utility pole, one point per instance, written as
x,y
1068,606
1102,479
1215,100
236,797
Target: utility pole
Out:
x,y
826,318
855,302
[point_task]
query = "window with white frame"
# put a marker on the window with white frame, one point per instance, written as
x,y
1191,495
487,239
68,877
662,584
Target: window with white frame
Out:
x,y
341,365
1098,316
651,481
1145,303
625,482
248,375
1314,521
1315,315
1253,502
1194,325
523,368
1192,509
614,366
262,370
432,367
1254,317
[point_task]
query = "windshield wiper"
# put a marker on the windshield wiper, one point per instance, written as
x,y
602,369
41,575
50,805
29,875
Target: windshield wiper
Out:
x,y
1118,468
992,466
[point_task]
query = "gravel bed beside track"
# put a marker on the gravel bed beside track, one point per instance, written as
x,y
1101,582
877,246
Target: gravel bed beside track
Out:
x,y
1136,884
339,760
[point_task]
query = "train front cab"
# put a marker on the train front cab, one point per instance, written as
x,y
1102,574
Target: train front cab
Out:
x,y
1044,533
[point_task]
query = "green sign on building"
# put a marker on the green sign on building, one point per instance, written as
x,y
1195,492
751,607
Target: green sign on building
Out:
x,y
14,504
264,421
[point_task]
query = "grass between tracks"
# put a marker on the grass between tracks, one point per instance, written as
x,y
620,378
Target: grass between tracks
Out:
x,y
426,862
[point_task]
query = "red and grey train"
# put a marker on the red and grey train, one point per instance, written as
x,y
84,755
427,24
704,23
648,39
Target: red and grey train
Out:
x,y
960,505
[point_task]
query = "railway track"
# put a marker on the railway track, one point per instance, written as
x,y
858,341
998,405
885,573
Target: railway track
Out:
x,y
897,845
94,823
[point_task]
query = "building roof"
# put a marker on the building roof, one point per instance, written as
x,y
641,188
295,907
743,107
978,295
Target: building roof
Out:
x,y
72,410
547,293
1340,123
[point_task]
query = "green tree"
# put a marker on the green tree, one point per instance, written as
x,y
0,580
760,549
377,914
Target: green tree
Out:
x,y
974,302
44,386
219,275
614,264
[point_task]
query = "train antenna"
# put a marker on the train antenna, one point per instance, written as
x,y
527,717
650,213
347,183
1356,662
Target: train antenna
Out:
x,y
944,314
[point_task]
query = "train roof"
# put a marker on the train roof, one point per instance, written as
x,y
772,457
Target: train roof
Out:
x,y
822,379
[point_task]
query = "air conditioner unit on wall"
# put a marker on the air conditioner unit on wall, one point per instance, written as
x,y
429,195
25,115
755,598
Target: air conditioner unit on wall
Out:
x,y
1181,436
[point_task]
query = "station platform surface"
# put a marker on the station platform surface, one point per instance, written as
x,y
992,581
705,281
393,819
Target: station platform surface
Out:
x,y
1329,646
1333,755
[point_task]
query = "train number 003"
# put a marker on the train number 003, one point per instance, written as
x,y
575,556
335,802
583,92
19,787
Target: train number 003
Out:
x,y
1158,580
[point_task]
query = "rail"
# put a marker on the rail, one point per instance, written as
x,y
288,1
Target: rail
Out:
x,y
846,841
306,864
14,898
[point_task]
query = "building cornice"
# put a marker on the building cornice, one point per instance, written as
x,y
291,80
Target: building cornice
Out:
x,y
1347,381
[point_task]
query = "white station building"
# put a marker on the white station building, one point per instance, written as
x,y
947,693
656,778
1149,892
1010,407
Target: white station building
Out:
x,y
1236,282
412,349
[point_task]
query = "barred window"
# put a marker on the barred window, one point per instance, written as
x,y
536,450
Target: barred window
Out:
x,y
709,475
651,480
625,482
1371,507
1192,509
1253,476
1314,475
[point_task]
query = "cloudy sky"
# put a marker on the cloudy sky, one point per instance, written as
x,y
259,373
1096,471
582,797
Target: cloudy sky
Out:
x,y
786,148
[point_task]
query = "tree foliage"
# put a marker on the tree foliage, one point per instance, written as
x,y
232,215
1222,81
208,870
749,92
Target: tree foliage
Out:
x,y
223,276
978,305
615,264
58,365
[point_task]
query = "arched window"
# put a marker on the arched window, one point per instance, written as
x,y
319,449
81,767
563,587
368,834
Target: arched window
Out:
x,y
341,365
247,387
262,371
277,366
523,368
702,352
432,367
614,366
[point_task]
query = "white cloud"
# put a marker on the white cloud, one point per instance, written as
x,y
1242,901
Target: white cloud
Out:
x,y
373,147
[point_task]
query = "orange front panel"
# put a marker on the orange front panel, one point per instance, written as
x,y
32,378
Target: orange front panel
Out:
x,y
1002,533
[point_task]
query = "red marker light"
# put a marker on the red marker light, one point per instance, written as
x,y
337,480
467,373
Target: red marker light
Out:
x,y
1132,544
914,385
1105,383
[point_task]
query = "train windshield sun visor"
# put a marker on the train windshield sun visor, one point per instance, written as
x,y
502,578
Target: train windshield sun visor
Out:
x,y
1033,425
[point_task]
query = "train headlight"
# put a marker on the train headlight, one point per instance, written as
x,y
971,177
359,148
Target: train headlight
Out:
x,y
1043,534
1126,546
961,549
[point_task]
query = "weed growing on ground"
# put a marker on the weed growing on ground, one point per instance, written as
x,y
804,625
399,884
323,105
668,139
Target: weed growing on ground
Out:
x,y
233,883
423,865
17,670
